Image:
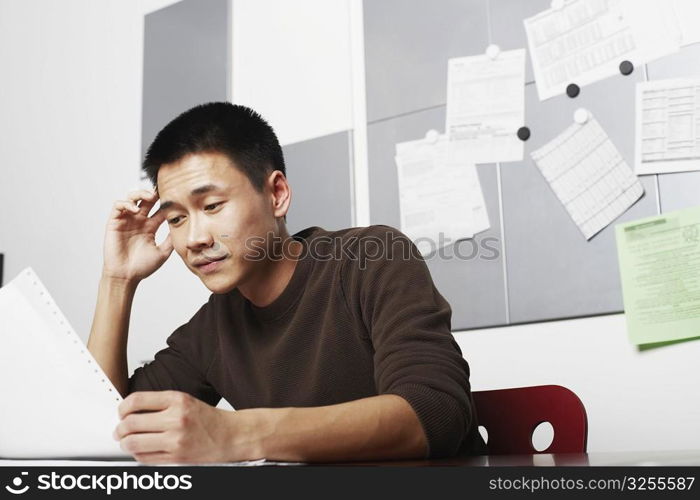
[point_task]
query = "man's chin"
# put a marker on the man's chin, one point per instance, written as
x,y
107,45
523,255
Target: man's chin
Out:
x,y
218,284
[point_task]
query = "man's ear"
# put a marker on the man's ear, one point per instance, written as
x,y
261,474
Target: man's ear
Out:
x,y
280,193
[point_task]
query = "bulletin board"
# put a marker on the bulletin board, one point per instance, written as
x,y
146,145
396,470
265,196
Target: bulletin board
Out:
x,y
544,269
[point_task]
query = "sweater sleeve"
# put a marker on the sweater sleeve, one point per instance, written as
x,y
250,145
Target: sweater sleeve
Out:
x,y
183,365
416,356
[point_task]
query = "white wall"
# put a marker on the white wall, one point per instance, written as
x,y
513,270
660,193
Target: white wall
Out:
x,y
635,400
70,113
301,65
291,63
69,145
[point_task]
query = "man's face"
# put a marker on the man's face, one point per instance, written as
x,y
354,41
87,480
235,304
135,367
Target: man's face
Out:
x,y
212,209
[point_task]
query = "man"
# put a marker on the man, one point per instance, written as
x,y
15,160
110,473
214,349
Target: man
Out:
x,y
327,352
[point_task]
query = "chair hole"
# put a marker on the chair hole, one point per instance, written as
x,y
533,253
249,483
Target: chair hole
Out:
x,y
484,433
542,436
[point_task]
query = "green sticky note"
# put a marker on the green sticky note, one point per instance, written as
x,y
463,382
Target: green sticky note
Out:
x,y
659,261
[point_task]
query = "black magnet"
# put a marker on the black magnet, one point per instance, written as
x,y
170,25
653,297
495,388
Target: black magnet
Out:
x,y
523,133
572,90
626,67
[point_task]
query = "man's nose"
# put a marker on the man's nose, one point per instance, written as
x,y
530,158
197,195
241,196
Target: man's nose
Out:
x,y
199,236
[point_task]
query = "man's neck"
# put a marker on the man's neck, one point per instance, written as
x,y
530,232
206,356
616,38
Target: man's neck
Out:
x,y
271,278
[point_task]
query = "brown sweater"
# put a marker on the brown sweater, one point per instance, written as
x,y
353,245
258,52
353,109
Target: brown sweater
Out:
x,y
359,317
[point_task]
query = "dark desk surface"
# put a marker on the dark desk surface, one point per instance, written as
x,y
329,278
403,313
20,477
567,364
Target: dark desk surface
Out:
x,y
630,458
639,458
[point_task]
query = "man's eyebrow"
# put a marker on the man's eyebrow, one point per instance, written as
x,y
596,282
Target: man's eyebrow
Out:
x,y
195,192
165,205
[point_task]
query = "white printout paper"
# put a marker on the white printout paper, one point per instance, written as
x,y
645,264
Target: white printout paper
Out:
x,y
667,125
486,107
57,402
585,40
438,197
588,175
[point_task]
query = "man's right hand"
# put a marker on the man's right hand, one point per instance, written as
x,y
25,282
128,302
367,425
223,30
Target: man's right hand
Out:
x,y
130,250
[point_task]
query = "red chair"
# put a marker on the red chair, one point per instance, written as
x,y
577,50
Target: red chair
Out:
x,y
510,417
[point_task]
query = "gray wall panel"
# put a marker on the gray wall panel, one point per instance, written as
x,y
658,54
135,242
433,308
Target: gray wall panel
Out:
x,y
679,190
319,173
407,44
507,29
185,61
684,63
474,287
553,272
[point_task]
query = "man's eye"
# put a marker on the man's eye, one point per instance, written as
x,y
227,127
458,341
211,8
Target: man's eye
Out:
x,y
174,220
212,206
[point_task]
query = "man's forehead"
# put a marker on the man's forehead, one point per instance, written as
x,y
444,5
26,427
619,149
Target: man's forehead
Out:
x,y
194,166
195,174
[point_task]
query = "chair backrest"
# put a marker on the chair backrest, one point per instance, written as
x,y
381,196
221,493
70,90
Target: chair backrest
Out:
x,y
510,417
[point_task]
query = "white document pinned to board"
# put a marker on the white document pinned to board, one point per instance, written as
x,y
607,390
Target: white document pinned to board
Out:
x,y
437,196
588,175
667,126
585,40
486,106
57,402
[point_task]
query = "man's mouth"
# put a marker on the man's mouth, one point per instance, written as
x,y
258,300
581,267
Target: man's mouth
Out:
x,y
200,263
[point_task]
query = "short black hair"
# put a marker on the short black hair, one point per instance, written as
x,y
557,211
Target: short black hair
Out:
x,y
219,127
